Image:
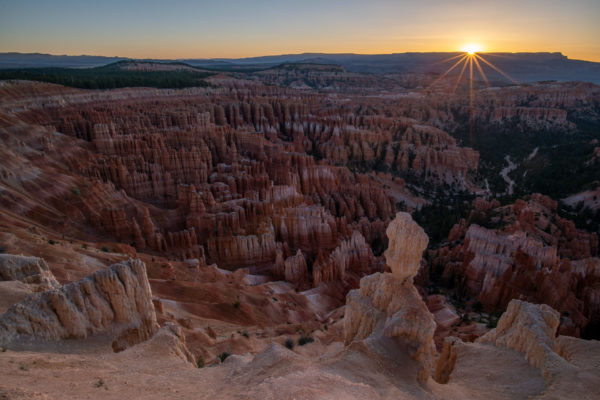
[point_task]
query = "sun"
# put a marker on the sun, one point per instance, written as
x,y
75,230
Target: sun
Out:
x,y
472,48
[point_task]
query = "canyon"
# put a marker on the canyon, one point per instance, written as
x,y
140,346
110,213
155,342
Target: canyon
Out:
x,y
253,238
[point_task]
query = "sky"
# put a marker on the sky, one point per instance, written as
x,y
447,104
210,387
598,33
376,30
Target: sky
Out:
x,y
245,28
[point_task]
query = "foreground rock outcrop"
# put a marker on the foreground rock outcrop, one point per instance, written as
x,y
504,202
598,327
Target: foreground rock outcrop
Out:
x,y
559,366
529,329
116,302
387,310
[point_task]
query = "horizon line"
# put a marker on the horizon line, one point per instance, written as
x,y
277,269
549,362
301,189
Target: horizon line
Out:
x,y
295,54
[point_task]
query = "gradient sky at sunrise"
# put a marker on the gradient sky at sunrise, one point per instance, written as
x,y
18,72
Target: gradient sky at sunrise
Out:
x,y
242,28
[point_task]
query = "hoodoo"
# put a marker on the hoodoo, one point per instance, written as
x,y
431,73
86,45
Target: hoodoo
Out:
x,y
387,311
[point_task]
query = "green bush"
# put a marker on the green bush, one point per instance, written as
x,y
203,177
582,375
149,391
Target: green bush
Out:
x,y
492,323
223,356
105,249
200,362
289,343
304,339
52,242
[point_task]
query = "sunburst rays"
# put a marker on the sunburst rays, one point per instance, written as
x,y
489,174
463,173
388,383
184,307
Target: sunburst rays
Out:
x,y
439,78
504,74
469,58
472,60
481,71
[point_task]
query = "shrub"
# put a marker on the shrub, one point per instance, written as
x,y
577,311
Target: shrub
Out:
x,y
289,343
492,323
237,304
84,246
105,249
304,339
245,334
76,192
223,356
52,242
200,362
477,306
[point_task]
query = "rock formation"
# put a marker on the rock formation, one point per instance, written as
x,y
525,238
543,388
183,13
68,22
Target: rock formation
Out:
x,y
538,256
292,269
567,366
30,270
529,329
168,338
387,310
404,256
116,301
352,256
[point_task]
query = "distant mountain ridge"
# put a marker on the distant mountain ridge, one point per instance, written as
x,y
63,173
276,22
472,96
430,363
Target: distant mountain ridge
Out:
x,y
39,60
523,67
